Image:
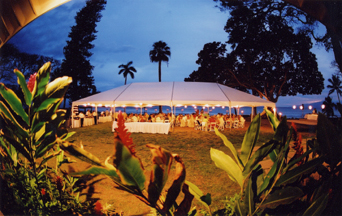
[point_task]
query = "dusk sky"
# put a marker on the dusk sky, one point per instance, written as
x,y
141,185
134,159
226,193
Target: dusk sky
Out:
x,y
129,28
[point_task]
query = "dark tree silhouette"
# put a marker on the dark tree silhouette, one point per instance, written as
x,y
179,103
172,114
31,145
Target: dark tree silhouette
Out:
x,y
127,69
160,52
76,63
329,106
267,56
336,85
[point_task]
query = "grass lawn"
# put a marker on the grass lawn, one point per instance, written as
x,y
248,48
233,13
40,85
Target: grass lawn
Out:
x,y
192,146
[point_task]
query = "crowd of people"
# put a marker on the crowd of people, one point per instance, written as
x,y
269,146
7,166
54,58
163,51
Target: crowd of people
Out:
x,y
198,120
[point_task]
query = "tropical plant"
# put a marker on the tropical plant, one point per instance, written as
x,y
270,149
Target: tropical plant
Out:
x,y
328,106
303,184
160,52
128,174
28,136
336,85
127,69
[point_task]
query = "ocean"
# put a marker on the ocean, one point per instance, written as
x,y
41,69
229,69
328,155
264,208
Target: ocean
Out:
x,y
289,112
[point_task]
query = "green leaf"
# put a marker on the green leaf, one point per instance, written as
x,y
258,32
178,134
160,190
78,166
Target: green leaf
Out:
x,y
11,122
79,153
226,163
231,147
162,160
42,79
198,194
317,207
250,139
238,209
281,131
249,196
50,156
68,135
272,119
14,102
269,177
46,104
58,87
258,156
94,170
18,146
282,197
23,85
294,174
177,184
128,167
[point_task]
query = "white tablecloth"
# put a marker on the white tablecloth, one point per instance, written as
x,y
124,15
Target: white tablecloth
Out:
x,y
105,119
86,122
145,127
311,116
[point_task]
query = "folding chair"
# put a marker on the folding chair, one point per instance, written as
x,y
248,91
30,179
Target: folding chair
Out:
x,y
212,126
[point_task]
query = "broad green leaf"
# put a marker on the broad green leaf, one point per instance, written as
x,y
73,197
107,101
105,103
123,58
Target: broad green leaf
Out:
x,y
58,87
23,85
258,156
42,79
231,147
294,161
68,135
317,207
44,146
185,205
250,139
282,197
94,170
129,168
294,174
249,196
11,122
273,155
269,176
14,102
46,104
177,184
272,119
18,146
79,153
204,199
50,156
281,131
162,160
226,163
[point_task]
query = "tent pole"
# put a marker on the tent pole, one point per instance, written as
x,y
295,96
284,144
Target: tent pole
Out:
x,y
230,115
72,115
252,113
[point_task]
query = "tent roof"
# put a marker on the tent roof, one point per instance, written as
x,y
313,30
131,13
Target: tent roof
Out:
x,y
173,94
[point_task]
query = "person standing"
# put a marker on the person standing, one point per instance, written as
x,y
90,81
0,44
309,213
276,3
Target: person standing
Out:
x,y
81,115
95,117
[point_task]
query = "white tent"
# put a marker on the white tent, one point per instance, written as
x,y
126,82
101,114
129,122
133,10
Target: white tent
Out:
x,y
173,94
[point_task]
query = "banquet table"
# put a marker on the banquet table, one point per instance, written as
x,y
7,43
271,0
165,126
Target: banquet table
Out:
x,y
311,116
105,119
145,127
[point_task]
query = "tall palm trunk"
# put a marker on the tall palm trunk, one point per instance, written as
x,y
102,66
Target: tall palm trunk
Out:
x,y
159,72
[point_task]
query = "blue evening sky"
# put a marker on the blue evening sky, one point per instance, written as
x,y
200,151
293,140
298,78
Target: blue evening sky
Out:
x,y
129,28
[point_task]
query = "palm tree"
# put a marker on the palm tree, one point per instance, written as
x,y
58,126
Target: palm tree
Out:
x,y
127,69
329,106
161,52
336,85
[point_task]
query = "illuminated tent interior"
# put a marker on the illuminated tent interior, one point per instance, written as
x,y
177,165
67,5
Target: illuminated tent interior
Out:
x,y
173,94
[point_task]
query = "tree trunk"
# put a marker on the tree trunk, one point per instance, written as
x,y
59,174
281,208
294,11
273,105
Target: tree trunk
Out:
x,y
159,73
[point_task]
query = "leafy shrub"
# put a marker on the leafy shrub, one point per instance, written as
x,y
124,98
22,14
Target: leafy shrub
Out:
x,y
304,184
28,141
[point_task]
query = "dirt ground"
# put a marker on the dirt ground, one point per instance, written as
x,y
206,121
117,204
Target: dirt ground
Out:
x,y
127,204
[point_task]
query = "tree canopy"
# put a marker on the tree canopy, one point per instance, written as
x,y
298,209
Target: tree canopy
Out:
x,y
77,51
267,56
160,52
127,69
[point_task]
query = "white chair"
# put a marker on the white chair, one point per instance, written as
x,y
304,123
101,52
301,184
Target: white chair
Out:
x,y
242,123
204,126
197,125
236,124
221,126
212,126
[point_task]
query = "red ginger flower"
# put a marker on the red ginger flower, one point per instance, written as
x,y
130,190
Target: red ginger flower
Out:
x,y
31,82
43,192
98,208
123,135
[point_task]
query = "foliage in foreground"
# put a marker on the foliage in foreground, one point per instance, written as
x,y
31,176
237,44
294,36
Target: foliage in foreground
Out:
x,y
307,183
128,174
27,141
